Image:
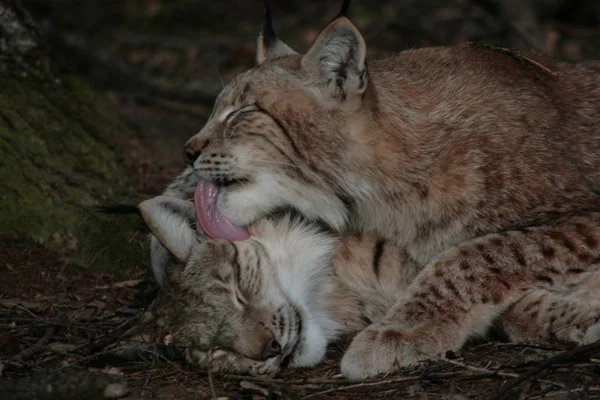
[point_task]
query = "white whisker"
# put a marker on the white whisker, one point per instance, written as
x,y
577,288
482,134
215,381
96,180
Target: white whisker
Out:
x,y
305,170
237,169
276,162
221,79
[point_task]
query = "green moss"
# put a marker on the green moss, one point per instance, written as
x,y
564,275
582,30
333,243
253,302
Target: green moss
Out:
x,y
118,241
59,154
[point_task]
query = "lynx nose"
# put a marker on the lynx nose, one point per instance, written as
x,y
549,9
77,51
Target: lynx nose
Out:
x,y
190,154
270,349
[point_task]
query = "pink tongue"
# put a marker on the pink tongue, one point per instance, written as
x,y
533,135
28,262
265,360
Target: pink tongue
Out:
x,y
213,223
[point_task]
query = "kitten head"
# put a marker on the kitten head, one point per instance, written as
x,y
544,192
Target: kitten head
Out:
x,y
249,299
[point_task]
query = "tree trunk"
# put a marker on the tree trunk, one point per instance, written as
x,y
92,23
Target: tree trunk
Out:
x,y
59,154
18,32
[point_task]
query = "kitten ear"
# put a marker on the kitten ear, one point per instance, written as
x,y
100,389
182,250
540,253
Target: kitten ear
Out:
x,y
337,58
268,45
173,222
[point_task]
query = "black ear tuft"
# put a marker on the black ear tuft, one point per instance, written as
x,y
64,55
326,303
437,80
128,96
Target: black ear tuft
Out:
x,y
269,36
268,46
344,10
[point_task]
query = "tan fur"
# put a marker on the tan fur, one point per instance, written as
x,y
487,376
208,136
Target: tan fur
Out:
x,y
361,282
483,170
569,313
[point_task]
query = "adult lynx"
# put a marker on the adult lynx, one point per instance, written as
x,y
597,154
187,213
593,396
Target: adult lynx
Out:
x,y
483,170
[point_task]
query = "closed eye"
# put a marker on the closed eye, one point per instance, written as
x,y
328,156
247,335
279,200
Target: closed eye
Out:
x,y
242,110
240,299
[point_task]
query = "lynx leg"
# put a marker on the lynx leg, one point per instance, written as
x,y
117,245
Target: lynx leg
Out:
x,y
568,314
466,287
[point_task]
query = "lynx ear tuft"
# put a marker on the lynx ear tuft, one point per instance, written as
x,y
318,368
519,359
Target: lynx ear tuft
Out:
x,y
173,222
268,45
344,9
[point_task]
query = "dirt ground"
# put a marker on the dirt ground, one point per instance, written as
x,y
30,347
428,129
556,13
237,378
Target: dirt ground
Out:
x,y
58,317
160,65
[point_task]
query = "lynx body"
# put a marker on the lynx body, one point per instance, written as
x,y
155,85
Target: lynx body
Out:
x,y
284,295
484,171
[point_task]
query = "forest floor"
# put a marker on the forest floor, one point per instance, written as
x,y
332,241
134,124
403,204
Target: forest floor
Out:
x,y
161,72
59,317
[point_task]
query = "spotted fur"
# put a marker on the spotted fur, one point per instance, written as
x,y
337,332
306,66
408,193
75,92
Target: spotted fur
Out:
x,y
304,287
236,298
483,170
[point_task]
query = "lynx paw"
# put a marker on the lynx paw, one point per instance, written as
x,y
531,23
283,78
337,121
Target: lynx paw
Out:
x,y
268,368
592,334
580,334
224,361
380,349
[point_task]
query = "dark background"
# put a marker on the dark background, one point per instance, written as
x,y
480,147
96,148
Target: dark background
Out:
x,y
95,108
144,52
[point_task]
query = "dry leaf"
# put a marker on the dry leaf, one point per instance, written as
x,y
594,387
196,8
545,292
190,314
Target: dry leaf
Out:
x,y
253,386
29,305
168,339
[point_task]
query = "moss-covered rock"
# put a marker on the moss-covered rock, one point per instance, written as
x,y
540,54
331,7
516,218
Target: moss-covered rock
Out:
x,y
58,155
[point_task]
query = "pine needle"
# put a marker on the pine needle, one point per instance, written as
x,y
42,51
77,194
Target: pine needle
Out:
x,y
513,54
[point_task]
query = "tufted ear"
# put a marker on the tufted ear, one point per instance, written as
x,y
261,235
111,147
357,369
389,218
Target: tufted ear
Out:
x,y
173,222
337,59
268,45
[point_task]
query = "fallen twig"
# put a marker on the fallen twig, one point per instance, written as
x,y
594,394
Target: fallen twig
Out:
x,y
561,393
40,345
119,285
287,382
24,304
379,382
366,384
498,373
517,57
559,358
149,374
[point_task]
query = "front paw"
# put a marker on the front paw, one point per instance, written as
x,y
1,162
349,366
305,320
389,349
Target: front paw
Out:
x,y
227,362
380,349
267,368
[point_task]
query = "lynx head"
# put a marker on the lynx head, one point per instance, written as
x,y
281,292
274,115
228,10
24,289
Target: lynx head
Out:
x,y
279,134
228,295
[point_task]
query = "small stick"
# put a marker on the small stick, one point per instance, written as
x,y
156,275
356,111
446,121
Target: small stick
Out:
x,y
517,57
38,346
405,379
559,358
366,384
498,373
151,369
119,285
